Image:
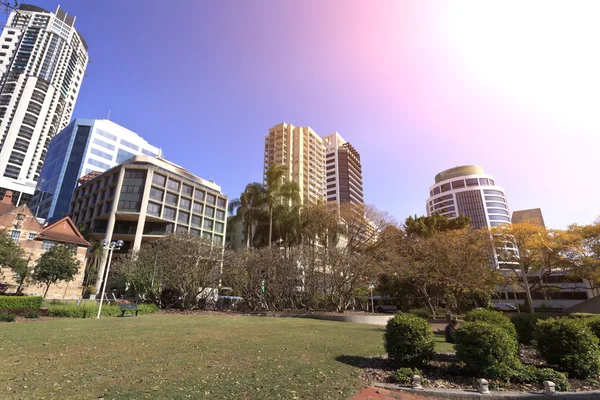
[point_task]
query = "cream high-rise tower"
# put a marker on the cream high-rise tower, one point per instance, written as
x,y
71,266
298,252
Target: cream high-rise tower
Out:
x,y
42,64
302,151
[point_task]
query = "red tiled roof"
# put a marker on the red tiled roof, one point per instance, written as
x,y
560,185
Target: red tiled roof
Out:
x,y
89,176
63,231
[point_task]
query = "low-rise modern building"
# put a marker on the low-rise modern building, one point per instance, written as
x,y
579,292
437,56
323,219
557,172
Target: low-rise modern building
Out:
x,y
35,240
84,146
145,198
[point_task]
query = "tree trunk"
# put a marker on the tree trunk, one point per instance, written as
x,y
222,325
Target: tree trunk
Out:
x,y
247,236
428,300
270,224
529,300
47,288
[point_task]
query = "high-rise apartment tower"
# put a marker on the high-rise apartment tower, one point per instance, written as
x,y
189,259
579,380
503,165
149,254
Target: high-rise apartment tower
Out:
x,y
42,64
302,152
343,171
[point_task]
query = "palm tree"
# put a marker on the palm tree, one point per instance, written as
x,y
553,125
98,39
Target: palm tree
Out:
x,y
94,257
249,208
278,191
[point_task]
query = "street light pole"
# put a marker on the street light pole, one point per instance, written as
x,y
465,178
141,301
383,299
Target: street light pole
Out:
x,y
110,247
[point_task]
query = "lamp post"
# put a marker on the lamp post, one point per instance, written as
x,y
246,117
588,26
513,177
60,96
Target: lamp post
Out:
x,y
110,247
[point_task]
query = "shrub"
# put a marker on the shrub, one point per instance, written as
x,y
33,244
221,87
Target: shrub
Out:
x,y
420,312
495,318
85,311
7,317
487,349
32,314
403,376
21,302
532,374
594,324
409,340
525,325
569,344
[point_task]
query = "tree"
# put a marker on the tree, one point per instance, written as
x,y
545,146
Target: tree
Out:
x,y
427,226
94,258
585,255
278,190
57,264
249,207
527,248
12,256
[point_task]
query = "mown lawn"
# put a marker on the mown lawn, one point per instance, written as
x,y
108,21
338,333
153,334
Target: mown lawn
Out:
x,y
178,357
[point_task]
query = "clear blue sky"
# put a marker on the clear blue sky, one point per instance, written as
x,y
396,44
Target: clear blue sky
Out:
x,y
416,89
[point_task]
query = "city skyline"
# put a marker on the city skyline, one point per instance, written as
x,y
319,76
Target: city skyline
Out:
x,y
434,93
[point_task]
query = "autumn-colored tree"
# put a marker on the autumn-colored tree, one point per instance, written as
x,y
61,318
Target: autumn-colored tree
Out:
x,y
585,256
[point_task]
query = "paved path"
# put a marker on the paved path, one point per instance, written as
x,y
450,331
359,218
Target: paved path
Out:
x,y
373,393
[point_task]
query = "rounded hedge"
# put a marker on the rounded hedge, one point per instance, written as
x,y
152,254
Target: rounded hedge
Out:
x,y
525,325
495,318
409,340
421,313
569,344
487,349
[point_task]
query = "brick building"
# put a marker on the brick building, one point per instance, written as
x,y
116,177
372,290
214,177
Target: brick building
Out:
x,y
35,239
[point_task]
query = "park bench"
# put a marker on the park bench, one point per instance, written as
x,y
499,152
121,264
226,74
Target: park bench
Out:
x,y
128,307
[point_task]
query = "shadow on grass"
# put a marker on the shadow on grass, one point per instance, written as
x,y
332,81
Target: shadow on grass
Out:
x,y
365,362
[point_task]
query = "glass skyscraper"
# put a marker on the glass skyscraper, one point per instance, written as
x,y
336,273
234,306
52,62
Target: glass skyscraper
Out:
x,y
84,146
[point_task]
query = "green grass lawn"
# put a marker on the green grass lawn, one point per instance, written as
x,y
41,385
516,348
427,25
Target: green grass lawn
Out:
x,y
440,344
173,356
179,357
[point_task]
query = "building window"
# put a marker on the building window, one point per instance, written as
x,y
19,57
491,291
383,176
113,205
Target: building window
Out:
x,y
148,153
173,185
154,209
183,217
185,203
219,227
128,205
436,190
123,155
159,180
199,195
210,199
208,224
187,190
15,235
181,229
130,145
472,182
98,164
169,213
171,199
221,215
102,143
483,182
197,208
196,221
156,194
32,236
209,212
135,174
106,134
221,202
195,232
101,154
48,244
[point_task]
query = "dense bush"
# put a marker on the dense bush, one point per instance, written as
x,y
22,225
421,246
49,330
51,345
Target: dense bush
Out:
x,y
7,317
487,349
495,318
525,325
85,311
32,314
20,302
403,376
570,345
420,312
409,340
532,374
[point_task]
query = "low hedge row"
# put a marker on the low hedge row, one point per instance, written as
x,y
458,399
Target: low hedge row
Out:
x,y
73,311
33,302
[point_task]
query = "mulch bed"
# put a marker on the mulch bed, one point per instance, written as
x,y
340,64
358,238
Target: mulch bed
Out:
x,y
441,373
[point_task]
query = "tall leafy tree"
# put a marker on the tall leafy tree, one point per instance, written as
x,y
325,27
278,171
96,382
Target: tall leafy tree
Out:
x,y
12,256
427,226
249,208
278,190
57,264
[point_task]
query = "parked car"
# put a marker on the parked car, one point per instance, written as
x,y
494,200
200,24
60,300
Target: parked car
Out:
x,y
505,307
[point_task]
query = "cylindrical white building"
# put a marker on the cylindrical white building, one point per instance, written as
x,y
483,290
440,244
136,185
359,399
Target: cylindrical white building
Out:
x,y
468,191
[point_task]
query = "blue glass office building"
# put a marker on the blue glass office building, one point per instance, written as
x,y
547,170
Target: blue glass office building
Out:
x,y
85,145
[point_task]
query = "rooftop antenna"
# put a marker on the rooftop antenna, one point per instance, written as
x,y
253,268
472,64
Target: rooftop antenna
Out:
x,y
108,115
